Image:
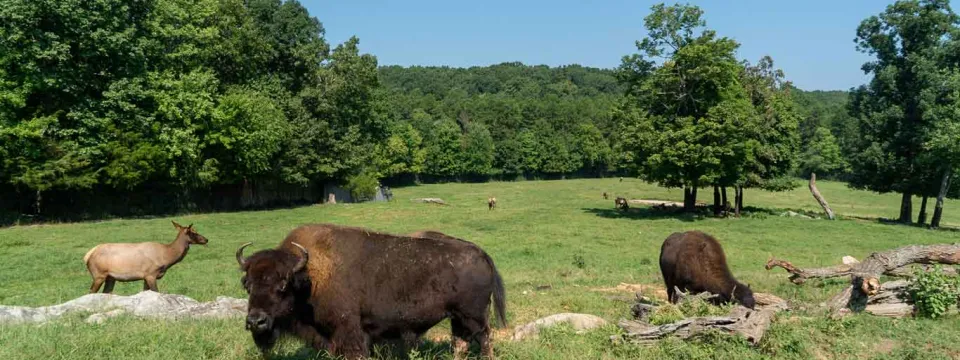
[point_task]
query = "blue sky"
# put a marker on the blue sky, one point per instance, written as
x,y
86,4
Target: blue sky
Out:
x,y
811,40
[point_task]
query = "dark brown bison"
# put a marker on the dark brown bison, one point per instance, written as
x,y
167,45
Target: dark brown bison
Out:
x,y
621,204
694,262
342,288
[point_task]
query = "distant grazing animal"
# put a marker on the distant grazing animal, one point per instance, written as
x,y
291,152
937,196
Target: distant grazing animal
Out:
x,y
621,204
694,262
341,288
147,261
491,203
605,196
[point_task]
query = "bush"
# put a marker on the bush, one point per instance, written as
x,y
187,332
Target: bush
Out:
x,y
933,292
362,186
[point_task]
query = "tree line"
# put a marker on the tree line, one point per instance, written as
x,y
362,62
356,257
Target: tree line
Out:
x,y
178,98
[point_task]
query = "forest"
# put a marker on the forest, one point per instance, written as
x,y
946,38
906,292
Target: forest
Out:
x,y
130,108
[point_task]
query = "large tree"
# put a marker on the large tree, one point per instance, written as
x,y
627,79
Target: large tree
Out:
x,y
908,41
699,117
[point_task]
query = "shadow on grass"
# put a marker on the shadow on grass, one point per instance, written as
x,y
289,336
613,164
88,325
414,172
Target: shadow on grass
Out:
x,y
702,213
390,350
895,222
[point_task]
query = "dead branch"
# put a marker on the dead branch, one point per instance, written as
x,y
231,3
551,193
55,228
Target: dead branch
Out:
x,y
865,276
751,324
820,199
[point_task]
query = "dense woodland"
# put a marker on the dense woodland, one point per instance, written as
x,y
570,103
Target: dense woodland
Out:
x,y
115,107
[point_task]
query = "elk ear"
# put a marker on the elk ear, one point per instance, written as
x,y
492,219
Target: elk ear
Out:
x,y
190,226
176,225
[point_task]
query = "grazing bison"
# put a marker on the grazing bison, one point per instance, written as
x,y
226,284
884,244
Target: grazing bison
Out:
x,y
147,261
694,262
621,204
491,203
341,288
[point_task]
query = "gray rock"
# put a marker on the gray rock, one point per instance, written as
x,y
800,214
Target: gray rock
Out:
x,y
579,322
147,304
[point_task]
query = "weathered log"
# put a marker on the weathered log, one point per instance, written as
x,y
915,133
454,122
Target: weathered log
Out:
x,y
437,201
742,321
820,199
864,276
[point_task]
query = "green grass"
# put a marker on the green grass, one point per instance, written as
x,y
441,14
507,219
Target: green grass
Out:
x,y
557,233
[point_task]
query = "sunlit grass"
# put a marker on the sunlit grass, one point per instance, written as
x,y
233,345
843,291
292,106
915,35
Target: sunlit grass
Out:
x,y
557,233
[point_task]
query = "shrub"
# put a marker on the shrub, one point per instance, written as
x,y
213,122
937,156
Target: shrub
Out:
x,y
933,292
362,186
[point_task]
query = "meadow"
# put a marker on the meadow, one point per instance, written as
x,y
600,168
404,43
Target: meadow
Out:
x,y
558,244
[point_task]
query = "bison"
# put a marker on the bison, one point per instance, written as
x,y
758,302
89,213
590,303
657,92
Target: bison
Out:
x,y
694,262
342,288
147,261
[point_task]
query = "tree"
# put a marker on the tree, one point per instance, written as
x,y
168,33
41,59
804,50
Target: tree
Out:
x,y
822,155
944,144
908,41
402,153
444,149
478,150
686,113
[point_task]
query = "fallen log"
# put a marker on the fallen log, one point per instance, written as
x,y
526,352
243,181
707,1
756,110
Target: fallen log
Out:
x,y
865,276
437,201
751,324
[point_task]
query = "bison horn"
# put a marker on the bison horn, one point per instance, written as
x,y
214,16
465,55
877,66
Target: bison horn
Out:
x,y
303,259
240,259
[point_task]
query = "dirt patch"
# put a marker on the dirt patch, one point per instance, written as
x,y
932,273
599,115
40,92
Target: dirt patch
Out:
x,y
885,346
647,290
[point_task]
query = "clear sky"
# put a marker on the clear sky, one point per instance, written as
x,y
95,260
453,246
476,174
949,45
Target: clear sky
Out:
x,y
811,40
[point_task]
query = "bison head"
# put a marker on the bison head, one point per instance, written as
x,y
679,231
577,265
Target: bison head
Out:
x,y
744,295
273,280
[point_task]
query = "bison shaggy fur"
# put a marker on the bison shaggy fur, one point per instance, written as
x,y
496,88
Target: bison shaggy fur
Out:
x,y
357,286
694,262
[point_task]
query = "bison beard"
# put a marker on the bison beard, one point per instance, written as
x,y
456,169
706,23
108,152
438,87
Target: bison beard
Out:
x,y
694,261
356,287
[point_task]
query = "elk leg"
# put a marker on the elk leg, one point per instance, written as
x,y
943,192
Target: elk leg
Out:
x,y
97,281
108,285
150,283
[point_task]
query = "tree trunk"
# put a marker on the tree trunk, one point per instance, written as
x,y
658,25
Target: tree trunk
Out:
x,y
922,218
39,200
690,199
906,208
938,210
739,199
820,199
723,194
717,206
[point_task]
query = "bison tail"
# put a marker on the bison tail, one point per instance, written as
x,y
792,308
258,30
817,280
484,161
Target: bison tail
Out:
x,y
499,294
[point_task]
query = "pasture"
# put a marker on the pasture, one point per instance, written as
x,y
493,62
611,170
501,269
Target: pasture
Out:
x,y
560,234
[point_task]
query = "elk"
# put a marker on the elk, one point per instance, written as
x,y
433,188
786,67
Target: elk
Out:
x,y
605,196
621,204
491,203
147,261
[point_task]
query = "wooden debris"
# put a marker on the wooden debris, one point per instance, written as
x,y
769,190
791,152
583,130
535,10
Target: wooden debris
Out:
x,y
820,199
865,283
751,324
437,201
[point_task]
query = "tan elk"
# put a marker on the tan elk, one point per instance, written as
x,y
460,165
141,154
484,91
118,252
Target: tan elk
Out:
x,y
147,261
491,203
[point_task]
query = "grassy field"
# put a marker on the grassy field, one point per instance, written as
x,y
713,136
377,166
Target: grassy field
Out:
x,y
535,235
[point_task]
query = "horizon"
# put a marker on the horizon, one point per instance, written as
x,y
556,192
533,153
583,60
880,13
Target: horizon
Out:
x,y
813,42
